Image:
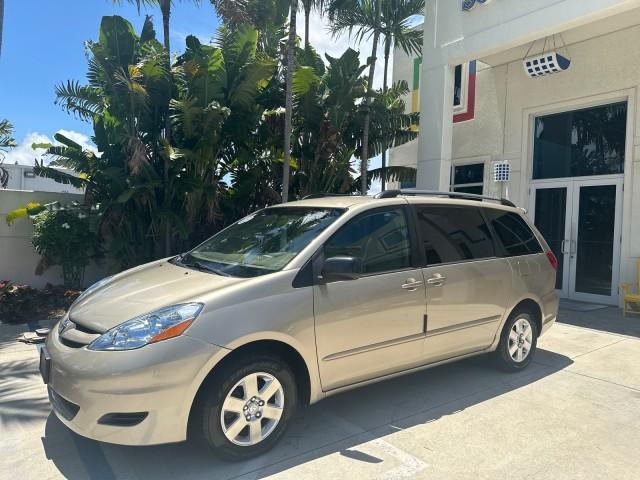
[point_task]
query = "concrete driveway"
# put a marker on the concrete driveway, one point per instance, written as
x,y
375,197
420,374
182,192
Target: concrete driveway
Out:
x,y
575,413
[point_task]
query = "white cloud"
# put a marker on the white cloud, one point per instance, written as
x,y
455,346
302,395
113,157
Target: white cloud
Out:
x,y
322,40
24,154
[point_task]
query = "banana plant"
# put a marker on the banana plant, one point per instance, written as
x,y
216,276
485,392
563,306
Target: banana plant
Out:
x,y
213,97
328,129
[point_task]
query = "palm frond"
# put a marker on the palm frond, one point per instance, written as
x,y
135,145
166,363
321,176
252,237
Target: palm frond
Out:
x,y
83,101
58,176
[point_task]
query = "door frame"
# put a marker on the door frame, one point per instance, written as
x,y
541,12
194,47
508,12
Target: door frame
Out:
x,y
618,182
557,183
546,105
573,185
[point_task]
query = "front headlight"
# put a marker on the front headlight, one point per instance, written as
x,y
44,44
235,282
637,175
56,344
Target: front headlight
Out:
x,y
162,324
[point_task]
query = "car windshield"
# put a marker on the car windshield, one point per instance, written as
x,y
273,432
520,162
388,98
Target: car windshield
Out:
x,y
261,243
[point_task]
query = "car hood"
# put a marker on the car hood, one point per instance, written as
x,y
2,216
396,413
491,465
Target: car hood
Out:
x,y
142,290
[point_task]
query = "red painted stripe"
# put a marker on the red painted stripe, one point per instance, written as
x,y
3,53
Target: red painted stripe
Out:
x,y
471,102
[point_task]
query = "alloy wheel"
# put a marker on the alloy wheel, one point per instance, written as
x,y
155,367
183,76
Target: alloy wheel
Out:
x,y
252,409
520,339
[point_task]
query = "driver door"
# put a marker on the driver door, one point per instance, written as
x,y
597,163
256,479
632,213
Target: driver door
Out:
x,y
373,325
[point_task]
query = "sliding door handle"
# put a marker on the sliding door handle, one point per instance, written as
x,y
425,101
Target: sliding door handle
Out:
x,y
411,284
437,280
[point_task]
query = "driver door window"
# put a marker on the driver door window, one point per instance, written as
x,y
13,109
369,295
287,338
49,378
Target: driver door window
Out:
x,y
379,239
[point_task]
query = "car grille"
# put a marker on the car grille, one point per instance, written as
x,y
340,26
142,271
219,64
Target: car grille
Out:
x,y
78,335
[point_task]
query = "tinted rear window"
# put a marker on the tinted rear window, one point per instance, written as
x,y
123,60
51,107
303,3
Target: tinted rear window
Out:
x,y
452,233
513,232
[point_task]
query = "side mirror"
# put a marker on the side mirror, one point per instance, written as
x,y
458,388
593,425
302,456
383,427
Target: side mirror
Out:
x,y
341,268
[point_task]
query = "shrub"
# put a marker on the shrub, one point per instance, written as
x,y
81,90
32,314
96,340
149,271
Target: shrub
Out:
x,y
20,303
64,237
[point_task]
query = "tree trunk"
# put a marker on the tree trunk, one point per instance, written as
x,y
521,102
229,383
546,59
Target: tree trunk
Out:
x,y
1,23
165,7
307,14
288,106
387,51
364,163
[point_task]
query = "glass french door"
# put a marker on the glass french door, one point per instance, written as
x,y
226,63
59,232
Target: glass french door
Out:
x,y
581,220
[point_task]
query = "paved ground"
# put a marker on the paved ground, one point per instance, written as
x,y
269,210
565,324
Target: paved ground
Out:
x,y
572,414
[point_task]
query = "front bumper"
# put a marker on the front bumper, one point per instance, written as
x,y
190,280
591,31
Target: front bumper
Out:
x,y
161,379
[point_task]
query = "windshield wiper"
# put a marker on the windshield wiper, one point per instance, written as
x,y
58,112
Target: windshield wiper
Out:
x,y
199,265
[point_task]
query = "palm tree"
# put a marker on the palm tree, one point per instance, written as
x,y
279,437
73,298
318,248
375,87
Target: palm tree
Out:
x,y
6,142
393,24
308,6
288,102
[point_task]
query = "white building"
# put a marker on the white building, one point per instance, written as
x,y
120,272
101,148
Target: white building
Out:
x,y
22,177
572,139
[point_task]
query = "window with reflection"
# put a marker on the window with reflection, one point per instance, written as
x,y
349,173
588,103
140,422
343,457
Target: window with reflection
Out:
x,y
584,142
452,233
379,238
468,178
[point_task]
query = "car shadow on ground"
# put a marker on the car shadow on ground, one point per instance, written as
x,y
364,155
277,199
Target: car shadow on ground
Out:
x,y
338,424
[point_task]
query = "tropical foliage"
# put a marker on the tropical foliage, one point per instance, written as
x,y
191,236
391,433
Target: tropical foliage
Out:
x,y
7,142
190,144
213,105
329,124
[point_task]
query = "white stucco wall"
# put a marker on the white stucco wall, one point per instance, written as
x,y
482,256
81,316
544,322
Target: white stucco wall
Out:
x,y
453,36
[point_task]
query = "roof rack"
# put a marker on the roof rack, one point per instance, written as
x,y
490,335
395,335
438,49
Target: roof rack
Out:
x,y
464,196
322,195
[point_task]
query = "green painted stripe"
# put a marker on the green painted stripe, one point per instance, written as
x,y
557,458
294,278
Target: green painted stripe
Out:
x,y
416,72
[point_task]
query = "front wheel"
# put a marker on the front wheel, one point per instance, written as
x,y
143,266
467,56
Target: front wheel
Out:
x,y
247,409
518,341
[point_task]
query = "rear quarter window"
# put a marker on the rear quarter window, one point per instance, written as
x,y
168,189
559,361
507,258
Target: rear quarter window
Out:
x,y
513,233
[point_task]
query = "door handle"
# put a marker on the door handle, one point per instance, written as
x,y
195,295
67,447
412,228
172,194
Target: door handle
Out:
x,y
573,246
411,284
565,250
437,280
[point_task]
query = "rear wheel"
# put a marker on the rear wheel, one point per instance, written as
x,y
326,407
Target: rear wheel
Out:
x,y
518,341
247,407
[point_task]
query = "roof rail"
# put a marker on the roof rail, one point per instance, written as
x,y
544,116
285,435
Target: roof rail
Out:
x,y
322,195
463,196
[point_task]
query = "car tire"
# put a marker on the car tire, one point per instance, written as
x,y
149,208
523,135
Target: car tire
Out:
x,y
518,341
253,392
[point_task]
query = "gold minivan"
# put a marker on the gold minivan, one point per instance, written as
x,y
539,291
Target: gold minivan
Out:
x,y
294,303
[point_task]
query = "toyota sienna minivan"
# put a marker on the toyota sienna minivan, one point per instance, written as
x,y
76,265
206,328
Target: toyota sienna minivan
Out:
x,y
294,303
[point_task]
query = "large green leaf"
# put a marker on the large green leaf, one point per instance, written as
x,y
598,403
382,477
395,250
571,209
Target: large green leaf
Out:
x,y
119,39
304,79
